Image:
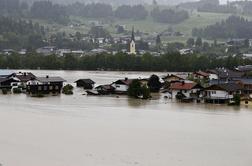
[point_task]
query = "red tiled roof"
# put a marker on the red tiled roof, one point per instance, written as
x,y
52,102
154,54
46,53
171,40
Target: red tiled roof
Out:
x,y
182,86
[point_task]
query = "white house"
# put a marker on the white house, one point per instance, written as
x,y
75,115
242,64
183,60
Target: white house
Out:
x,y
186,89
221,93
186,51
121,86
62,52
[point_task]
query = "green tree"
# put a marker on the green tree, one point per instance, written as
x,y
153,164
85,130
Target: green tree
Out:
x,y
198,42
137,90
154,83
190,42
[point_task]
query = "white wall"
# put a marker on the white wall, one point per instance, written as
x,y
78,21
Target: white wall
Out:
x,y
186,93
218,94
120,88
213,76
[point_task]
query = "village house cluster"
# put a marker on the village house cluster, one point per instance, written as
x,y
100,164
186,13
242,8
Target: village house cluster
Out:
x,y
218,86
101,44
26,82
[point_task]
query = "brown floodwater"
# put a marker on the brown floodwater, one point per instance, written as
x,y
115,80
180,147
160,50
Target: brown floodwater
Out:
x,y
82,130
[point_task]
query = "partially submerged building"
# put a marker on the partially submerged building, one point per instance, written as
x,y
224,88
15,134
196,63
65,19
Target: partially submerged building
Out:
x,y
45,85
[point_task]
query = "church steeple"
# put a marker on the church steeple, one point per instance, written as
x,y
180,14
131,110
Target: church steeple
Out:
x,y
133,34
132,44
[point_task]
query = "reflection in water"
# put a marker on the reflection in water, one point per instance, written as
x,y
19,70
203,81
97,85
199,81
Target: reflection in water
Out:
x,y
136,103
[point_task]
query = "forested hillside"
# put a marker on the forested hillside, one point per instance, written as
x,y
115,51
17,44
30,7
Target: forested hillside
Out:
x,y
233,27
20,34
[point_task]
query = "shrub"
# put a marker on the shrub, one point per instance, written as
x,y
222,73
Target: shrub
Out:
x,y
17,90
154,83
237,99
68,89
136,90
5,91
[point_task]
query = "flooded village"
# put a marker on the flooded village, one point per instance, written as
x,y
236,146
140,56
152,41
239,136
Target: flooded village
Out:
x,y
218,86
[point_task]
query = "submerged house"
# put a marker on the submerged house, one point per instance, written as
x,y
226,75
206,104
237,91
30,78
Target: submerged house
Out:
x,y
201,75
45,85
85,83
246,84
226,74
122,86
23,77
221,93
105,89
172,78
185,90
6,83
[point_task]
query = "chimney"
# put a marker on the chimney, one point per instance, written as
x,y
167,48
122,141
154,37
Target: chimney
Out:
x,y
126,78
47,76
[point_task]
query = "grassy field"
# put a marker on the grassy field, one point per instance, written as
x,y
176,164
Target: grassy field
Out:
x,y
196,20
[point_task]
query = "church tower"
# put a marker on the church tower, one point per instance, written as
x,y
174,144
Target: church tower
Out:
x,y
132,44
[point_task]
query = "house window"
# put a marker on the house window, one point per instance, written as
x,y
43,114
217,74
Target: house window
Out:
x,y
45,87
56,87
50,87
39,88
185,91
118,86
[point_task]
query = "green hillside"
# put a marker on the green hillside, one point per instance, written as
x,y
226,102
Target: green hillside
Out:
x,y
196,19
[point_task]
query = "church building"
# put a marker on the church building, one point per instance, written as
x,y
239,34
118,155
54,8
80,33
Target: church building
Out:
x,y
132,44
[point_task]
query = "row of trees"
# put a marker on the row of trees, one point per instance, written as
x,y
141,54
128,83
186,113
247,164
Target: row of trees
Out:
x,y
169,15
137,12
217,8
121,61
12,7
60,13
49,11
233,27
93,10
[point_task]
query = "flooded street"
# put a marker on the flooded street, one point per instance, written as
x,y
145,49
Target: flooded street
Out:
x,y
82,130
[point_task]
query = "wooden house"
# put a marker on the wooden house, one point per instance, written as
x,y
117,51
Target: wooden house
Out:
x,y
45,85
201,75
22,77
246,84
85,83
172,78
6,83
